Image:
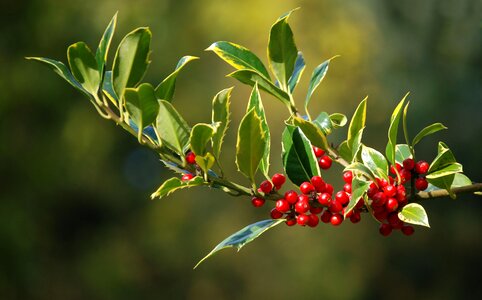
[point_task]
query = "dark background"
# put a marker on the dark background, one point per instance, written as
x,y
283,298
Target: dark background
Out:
x,y
76,221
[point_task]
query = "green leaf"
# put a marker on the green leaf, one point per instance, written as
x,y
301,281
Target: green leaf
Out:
x,y
251,77
84,67
142,106
239,57
59,68
256,103
344,151
402,152
312,132
201,134
171,185
359,168
393,131
444,158
447,170
460,180
172,129
427,131
358,187
338,120
444,182
282,51
131,60
297,72
357,122
316,77
244,236
414,213
323,121
108,88
250,145
404,123
165,90
205,162
299,160
220,115
356,145
104,44
374,160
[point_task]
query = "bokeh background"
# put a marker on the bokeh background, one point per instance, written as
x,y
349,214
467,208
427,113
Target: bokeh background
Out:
x,y
76,221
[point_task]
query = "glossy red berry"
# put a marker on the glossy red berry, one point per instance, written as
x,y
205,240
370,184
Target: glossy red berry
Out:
x,y
336,219
282,205
257,202
381,215
421,167
306,188
390,191
291,196
382,182
302,206
360,203
329,188
408,230
342,197
187,177
355,217
315,210
379,199
409,164
318,151
326,216
325,162
385,229
348,176
266,187
318,183
394,221
392,204
347,188
395,169
421,184
290,221
302,219
313,220
191,158
324,199
405,175
278,180
372,190
275,214
335,206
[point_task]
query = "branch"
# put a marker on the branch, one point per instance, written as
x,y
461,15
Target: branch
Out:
x,y
468,189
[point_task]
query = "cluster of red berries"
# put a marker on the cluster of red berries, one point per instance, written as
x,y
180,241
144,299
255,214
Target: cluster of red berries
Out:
x,y
190,159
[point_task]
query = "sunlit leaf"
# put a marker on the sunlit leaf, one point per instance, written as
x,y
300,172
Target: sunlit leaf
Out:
x,y
323,121
297,72
201,134
414,213
357,122
142,106
374,160
358,187
402,152
256,103
393,131
172,129
427,131
171,185
361,169
312,132
338,120
104,44
316,77
84,67
165,90
220,115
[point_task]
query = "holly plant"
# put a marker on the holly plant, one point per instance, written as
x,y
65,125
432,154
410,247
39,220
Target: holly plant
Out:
x,y
389,185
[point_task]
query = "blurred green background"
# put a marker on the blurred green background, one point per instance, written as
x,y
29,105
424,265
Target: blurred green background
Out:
x,y
76,221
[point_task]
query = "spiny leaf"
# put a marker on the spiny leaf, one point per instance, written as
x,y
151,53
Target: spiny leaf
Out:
x,y
239,57
244,236
165,90
171,185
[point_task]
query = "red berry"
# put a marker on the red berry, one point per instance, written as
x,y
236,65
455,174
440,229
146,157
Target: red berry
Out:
x,y
191,158
408,230
421,167
390,190
275,214
360,203
324,199
290,221
318,151
347,215
326,216
405,175
306,188
325,162
421,184
316,210
382,182
392,204
342,197
347,188
372,190
291,196
329,188
335,206
336,219
257,202
394,221
348,176
355,217
379,199
313,220
278,180
187,177
381,215
302,219
318,183
266,186
395,169
282,205
385,229
302,207
409,164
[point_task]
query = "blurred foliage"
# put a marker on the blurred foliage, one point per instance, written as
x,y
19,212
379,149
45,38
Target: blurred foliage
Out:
x,y
76,221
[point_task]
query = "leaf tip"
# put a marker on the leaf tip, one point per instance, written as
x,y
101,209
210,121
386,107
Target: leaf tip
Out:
x,y
211,47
